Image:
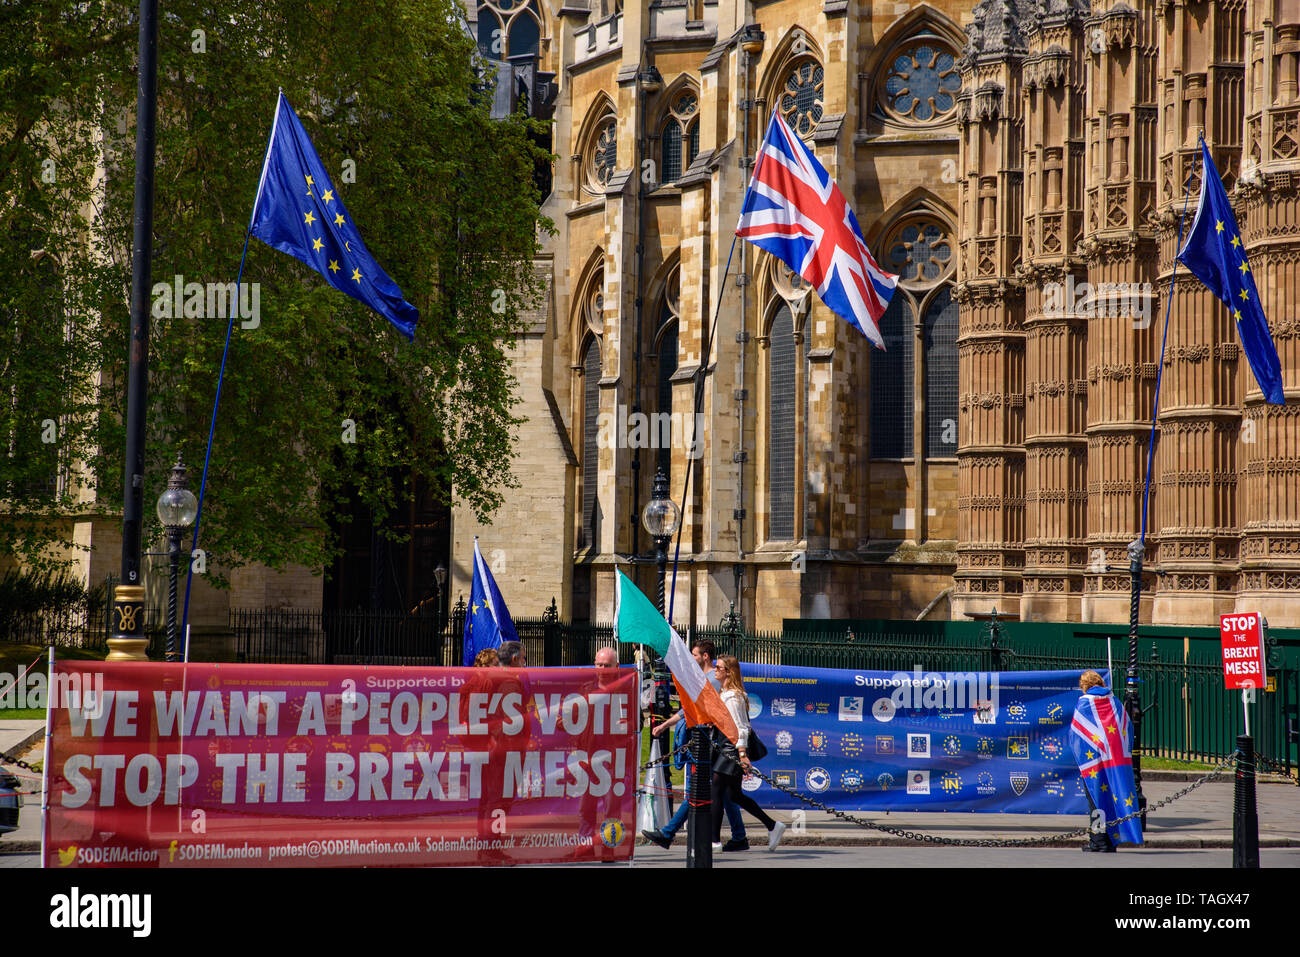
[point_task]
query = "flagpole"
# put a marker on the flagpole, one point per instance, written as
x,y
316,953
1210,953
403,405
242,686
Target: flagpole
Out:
x,y
207,456
225,352
1137,548
705,354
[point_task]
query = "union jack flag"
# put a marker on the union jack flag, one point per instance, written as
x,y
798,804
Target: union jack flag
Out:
x,y
1102,740
794,210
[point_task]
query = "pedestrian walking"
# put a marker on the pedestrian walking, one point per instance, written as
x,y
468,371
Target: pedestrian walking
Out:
x,y
732,760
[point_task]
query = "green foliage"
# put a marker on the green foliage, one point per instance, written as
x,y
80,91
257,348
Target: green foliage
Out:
x,y
45,603
443,196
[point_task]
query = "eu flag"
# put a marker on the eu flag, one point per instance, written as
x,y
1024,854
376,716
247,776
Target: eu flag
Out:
x,y
487,622
297,212
1215,255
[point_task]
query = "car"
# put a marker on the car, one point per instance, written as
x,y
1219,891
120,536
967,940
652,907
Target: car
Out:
x,y
11,799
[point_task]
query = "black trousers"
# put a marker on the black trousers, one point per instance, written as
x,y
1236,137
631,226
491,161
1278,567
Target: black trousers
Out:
x,y
724,786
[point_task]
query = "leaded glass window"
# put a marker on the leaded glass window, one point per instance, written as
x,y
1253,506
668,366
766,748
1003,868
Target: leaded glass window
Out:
x,y
922,82
590,446
604,153
681,136
941,375
781,356
508,28
891,383
800,100
920,251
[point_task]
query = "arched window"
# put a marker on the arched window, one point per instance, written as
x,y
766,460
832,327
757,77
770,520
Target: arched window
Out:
x,y
782,357
590,445
601,153
800,99
508,28
681,136
891,383
941,375
666,350
919,247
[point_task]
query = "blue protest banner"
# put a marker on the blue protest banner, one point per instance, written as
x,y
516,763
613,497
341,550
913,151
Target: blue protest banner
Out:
x,y
933,741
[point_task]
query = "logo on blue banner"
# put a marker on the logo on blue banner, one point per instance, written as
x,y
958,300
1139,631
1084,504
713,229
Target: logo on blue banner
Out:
x,y
817,779
850,709
884,744
918,782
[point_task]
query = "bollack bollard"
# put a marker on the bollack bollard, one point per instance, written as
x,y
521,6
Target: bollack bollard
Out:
x,y
1245,818
699,819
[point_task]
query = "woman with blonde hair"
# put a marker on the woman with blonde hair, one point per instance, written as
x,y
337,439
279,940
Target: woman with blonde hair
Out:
x,y
730,761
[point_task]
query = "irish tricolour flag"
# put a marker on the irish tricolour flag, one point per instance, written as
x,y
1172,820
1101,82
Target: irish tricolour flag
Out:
x,y
638,621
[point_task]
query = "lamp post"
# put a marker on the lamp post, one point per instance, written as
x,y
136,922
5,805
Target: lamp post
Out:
x,y
661,517
440,576
177,508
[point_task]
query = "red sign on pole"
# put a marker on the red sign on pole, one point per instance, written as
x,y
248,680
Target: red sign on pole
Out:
x,y
169,765
1243,650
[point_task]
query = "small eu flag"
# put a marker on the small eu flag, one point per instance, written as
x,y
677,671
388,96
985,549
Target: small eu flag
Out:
x,y
487,623
1215,255
297,212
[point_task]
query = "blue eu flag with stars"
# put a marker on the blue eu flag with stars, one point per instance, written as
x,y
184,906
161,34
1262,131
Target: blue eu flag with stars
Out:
x,y
298,212
1215,255
487,621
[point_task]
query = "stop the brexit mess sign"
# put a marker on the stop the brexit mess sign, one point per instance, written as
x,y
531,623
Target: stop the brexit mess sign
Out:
x,y
170,765
1243,650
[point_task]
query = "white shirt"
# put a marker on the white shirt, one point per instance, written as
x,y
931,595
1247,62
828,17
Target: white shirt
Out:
x,y
739,709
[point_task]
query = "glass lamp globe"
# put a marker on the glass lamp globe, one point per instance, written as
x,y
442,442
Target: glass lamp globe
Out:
x,y
177,508
660,517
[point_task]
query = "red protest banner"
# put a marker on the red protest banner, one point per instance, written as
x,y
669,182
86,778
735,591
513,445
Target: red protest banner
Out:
x,y
1243,650
170,765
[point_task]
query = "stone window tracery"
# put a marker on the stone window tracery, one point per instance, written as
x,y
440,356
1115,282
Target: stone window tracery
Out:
x,y
919,249
509,28
921,82
801,97
602,154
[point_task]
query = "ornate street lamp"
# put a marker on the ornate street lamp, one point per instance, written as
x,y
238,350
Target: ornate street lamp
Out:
x,y
661,518
440,576
177,508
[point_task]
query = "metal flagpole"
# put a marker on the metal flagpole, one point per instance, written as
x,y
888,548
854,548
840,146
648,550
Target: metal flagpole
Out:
x,y
701,374
45,763
1137,547
699,852
212,423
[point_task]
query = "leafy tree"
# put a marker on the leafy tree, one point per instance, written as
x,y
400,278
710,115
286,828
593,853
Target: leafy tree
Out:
x,y
442,194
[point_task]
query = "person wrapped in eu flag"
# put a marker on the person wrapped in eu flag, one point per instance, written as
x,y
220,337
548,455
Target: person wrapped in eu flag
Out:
x,y
1102,740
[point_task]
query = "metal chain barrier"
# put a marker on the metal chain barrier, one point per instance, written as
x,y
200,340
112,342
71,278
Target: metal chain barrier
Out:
x,y
10,759
985,842
1268,764
664,759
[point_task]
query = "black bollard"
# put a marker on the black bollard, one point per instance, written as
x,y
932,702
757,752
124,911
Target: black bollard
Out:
x,y
1245,818
699,819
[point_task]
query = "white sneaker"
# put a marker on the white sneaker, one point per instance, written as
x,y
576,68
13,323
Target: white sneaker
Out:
x,y
774,836
717,846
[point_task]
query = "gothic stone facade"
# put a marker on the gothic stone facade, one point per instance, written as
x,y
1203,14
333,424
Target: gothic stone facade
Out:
x,y
1023,166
